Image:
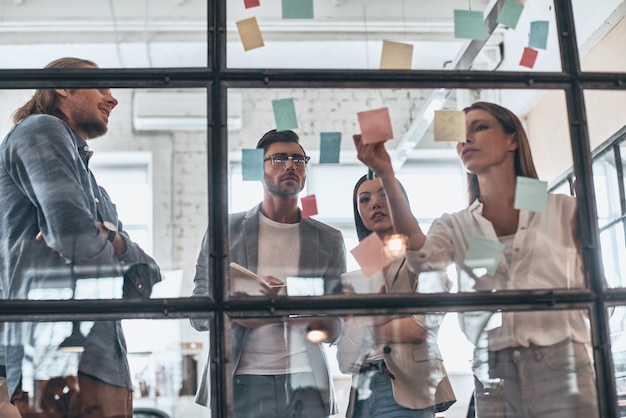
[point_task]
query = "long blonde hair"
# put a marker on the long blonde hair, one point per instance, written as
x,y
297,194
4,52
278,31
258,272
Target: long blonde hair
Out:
x,y
511,124
45,101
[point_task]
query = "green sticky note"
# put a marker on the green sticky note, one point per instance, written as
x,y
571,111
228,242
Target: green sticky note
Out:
x,y
469,24
510,13
538,34
285,114
484,253
330,146
252,164
531,194
297,9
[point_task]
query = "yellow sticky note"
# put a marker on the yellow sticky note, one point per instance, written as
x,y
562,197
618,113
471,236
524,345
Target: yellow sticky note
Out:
x,y
396,56
250,34
449,125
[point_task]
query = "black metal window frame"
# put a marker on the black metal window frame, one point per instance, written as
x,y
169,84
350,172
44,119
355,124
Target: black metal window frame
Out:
x,y
217,79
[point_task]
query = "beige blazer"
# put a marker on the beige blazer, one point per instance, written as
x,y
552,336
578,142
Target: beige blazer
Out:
x,y
420,380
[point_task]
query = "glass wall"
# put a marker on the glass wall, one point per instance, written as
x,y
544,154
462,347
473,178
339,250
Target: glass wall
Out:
x,y
197,84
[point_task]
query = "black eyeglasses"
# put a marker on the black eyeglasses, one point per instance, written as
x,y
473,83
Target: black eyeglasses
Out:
x,y
280,160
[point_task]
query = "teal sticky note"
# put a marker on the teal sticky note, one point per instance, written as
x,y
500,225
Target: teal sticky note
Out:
x,y
330,146
538,34
469,24
297,9
252,164
484,253
510,13
531,194
285,114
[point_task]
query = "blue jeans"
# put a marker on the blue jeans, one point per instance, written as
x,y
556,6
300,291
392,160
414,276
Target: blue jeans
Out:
x,y
272,396
375,399
554,381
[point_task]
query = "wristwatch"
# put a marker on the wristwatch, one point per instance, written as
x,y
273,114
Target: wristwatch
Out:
x,y
110,226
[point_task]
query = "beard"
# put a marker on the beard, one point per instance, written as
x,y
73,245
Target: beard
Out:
x,y
283,191
89,123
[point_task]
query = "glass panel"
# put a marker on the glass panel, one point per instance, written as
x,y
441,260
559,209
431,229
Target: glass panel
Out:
x,y
604,115
599,31
426,358
76,366
426,166
115,33
606,186
362,35
612,241
152,164
618,348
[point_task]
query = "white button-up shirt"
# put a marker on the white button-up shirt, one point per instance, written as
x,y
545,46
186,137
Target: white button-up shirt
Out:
x,y
541,255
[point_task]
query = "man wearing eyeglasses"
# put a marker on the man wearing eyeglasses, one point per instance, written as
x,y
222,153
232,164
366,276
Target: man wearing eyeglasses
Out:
x,y
277,372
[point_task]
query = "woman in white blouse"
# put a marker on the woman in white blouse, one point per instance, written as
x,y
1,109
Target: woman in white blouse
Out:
x,y
526,364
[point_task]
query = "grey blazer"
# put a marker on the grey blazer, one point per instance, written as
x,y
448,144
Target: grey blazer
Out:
x,y
322,254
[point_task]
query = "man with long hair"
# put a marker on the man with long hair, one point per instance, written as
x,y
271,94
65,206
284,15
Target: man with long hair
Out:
x,y
56,219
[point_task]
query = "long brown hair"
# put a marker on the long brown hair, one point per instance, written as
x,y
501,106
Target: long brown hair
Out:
x,y
45,101
511,124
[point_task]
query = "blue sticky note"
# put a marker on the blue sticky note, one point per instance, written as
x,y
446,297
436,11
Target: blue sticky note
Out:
x,y
484,253
469,24
252,164
330,145
297,9
285,114
538,34
531,194
510,13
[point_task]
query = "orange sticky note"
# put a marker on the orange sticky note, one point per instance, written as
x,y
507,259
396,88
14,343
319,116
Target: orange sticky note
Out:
x,y
528,57
250,34
370,254
309,206
375,125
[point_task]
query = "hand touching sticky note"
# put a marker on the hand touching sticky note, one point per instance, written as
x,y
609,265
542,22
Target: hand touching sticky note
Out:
x,y
375,125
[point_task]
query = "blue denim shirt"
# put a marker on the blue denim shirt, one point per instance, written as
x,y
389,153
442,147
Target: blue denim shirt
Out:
x,y
46,186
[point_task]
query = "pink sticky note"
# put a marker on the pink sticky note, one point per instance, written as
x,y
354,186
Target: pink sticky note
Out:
x,y
370,255
251,3
375,125
309,206
528,57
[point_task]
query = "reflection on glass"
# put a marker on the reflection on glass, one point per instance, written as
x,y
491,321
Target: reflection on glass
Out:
x,y
154,366
389,35
116,33
428,354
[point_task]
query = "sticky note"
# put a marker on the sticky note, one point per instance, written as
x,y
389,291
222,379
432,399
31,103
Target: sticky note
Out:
x,y
309,206
449,125
251,3
529,57
531,194
484,253
297,9
285,114
250,34
330,146
375,125
510,13
469,24
396,56
370,255
252,164
538,38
